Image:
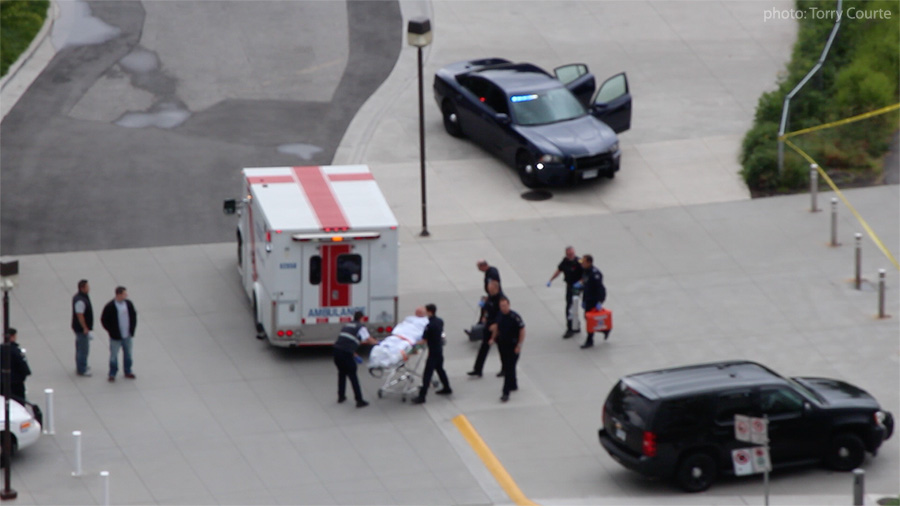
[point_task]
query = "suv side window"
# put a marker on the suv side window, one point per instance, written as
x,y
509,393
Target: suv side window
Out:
x,y
780,401
734,403
683,415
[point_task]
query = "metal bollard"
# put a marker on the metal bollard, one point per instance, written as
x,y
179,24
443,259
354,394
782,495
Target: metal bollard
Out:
x,y
77,435
859,486
48,411
858,282
813,187
834,202
881,293
104,477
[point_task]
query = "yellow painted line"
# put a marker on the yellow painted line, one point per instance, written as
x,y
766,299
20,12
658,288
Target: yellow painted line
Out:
x,y
859,218
491,461
844,121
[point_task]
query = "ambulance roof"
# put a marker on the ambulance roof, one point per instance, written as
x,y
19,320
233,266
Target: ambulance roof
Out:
x,y
327,198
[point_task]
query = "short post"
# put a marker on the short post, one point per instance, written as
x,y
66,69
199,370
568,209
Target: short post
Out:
x,y
48,410
77,435
834,202
813,187
881,293
858,279
104,477
859,486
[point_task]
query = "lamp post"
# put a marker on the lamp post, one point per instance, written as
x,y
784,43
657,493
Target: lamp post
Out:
x,y
418,34
9,271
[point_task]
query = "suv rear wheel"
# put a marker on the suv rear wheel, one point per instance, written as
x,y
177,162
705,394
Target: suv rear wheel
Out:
x,y
696,472
846,452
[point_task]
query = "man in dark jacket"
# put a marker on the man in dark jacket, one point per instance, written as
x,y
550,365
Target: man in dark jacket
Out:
x,y
351,336
594,292
119,319
434,336
18,366
82,324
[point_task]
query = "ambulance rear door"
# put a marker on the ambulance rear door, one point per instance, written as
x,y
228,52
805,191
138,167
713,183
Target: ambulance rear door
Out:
x,y
335,284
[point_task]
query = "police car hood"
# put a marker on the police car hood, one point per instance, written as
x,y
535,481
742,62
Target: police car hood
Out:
x,y
582,136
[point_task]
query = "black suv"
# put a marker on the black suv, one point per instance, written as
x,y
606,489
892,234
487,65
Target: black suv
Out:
x,y
679,423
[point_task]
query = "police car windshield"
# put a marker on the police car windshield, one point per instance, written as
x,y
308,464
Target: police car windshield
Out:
x,y
545,106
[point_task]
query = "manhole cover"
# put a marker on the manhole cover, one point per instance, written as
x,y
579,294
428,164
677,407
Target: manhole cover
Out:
x,y
537,195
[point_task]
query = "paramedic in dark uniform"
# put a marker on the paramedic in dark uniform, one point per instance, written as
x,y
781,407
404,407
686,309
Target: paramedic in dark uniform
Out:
x,y
509,333
490,272
489,311
352,335
594,294
570,268
434,336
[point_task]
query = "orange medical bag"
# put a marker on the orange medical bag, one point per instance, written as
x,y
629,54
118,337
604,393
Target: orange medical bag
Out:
x,y
599,321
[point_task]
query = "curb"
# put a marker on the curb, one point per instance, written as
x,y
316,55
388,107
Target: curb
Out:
x,y
9,97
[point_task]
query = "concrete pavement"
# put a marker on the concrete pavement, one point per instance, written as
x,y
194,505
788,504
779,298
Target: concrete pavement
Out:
x,y
216,417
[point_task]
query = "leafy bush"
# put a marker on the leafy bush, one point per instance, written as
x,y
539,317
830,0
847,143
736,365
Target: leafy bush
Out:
x,y
20,21
859,75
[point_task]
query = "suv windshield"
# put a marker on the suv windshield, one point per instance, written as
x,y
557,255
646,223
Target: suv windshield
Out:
x,y
548,106
625,402
805,391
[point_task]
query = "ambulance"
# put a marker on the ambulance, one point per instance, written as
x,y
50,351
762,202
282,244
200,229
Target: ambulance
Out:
x,y
315,245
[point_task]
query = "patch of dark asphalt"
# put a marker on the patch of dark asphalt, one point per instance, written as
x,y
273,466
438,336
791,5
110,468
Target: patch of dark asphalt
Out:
x,y
75,185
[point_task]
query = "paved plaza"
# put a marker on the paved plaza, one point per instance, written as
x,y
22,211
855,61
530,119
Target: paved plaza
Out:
x,y
696,271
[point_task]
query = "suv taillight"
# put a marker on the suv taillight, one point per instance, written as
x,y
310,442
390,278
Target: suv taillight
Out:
x,y
649,446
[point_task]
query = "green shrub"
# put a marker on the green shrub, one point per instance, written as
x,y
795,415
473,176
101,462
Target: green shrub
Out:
x,y
859,75
20,21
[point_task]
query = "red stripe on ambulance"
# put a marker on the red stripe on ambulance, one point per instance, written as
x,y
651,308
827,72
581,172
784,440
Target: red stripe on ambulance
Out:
x,y
321,197
332,293
359,176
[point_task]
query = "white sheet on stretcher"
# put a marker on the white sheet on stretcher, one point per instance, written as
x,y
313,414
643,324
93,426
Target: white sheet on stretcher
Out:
x,y
394,348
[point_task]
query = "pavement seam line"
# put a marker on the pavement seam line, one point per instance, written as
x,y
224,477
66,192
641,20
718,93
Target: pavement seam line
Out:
x,y
491,461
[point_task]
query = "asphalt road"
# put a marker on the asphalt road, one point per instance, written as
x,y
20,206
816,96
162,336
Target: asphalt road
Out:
x,y
74,178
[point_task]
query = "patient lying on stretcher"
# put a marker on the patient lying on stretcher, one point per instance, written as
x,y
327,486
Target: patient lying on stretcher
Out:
x,y
395,348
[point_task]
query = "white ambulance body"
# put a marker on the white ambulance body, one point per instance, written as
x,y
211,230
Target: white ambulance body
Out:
x,y
315,245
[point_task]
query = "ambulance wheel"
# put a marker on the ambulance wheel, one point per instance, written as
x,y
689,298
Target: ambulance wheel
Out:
x,y
260,330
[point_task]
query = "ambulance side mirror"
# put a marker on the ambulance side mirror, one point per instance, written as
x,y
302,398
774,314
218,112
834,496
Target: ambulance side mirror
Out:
x,y
229,206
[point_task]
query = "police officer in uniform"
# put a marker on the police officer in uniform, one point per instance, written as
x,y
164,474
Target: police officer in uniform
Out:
x,y
352,335
509,333
594,293
489,312
570,268
435,363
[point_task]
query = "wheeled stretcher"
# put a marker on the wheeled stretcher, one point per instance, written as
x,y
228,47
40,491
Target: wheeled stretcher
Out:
x,y
402,377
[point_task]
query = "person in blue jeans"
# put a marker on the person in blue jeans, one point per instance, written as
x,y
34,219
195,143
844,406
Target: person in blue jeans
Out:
x,y
82,325
119,318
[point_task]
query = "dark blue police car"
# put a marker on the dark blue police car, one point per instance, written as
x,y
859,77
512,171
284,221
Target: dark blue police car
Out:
x,y
554,129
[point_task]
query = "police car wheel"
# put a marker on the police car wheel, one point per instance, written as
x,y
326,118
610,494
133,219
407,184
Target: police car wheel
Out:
x,y
526,169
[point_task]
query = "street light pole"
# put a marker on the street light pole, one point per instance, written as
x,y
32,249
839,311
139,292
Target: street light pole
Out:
x,y
418,34
8,272
422,148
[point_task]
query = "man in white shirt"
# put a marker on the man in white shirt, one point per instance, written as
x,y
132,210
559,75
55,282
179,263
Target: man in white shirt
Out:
x,y
119,319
